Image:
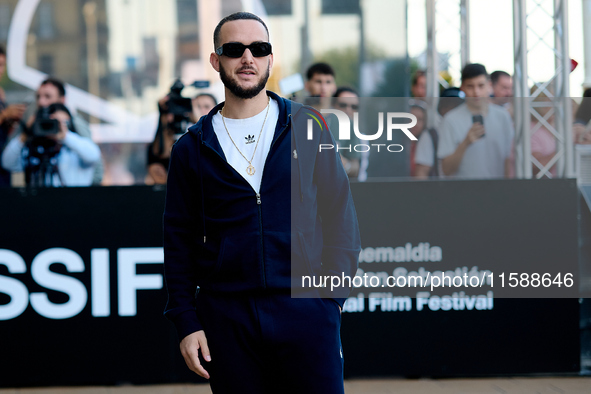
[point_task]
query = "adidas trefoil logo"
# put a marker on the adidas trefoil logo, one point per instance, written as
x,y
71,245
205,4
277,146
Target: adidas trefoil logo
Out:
x,y
249,139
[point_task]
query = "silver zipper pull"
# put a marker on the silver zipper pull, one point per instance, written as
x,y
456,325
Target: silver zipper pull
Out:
x,y
258,199
295,154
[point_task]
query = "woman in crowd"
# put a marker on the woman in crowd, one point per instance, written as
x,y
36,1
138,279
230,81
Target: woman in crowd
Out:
x,y
347,100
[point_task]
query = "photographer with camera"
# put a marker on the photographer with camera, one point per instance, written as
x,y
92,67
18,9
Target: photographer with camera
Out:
x,y
53,91
177,113
51,152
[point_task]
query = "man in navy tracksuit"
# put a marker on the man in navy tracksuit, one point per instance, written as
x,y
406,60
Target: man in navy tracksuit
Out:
x,y
252,206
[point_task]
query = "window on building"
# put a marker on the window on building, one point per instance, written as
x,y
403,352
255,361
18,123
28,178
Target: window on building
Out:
x,y
45,27
46,64
340,6
187,12
278,7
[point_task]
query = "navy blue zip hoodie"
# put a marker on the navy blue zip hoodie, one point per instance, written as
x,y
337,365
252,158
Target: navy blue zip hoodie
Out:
x,y
221,236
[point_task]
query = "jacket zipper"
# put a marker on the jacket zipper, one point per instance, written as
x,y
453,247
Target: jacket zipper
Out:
x,y
282,131
258,195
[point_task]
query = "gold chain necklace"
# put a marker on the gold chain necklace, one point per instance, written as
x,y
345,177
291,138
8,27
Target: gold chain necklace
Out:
x,y
250,169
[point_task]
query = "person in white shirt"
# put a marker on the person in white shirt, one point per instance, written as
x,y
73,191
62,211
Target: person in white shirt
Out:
x,y
477,136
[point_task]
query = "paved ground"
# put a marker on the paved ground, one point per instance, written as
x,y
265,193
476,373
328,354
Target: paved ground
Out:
x,y
578,385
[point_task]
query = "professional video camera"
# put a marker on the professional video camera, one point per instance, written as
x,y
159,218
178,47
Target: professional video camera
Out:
x,y
180,107
40,150
43,125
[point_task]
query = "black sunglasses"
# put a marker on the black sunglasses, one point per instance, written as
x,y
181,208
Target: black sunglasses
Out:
x,y
354,107
236,49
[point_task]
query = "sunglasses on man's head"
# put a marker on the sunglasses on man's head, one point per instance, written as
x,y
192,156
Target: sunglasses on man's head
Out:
x,y
354,107
236,49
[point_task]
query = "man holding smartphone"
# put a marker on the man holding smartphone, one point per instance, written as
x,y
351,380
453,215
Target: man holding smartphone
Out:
x,y
477,136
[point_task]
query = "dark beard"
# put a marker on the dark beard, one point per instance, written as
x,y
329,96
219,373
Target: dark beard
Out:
x,y
239,91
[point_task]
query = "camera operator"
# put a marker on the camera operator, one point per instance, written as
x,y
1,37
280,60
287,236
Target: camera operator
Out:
x,y
53,91
51,152
177,113
9,116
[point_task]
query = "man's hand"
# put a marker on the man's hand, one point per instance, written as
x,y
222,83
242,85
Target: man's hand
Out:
x,y
580,134
158,173
451,163
13,112
63,119
190,346
346,164
475,133
351,166
585,138
163,104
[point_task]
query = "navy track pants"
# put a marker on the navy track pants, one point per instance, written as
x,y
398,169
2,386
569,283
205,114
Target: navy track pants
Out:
x,y
272,343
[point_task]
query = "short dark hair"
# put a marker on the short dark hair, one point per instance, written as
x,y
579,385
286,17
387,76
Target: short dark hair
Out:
x,y
57,83
418,74
215,102
235,17
412,103
319,68
496,75
55,107
344,89
2,51
583,114
449,99
473,70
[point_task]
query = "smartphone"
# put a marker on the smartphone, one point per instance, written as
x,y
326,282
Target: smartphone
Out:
x,y
478,119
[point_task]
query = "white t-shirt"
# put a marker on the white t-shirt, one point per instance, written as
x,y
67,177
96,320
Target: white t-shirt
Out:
x,y
245,133
485,158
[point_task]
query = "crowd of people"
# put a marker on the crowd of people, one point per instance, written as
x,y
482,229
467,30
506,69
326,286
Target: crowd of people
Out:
x,y
50,146
472,135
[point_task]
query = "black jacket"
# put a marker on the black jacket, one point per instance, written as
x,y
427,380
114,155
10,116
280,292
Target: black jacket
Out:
x,y
221,236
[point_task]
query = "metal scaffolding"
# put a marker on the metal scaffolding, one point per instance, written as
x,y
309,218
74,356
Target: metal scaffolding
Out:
x,y
445,18
546,105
